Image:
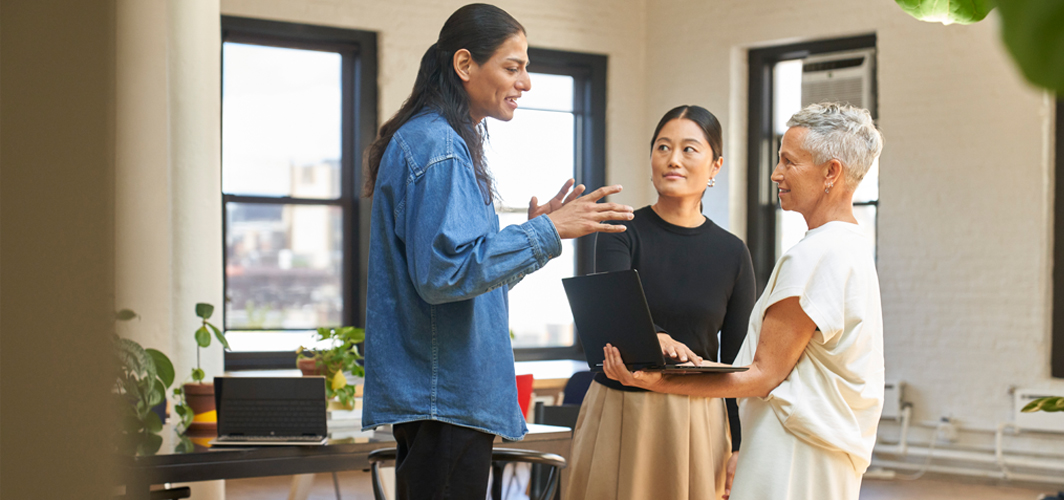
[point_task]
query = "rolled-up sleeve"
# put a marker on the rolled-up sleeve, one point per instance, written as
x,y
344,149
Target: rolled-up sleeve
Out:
x,y
454,248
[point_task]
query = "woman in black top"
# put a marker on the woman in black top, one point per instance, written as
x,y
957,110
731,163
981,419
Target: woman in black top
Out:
x,y
698,280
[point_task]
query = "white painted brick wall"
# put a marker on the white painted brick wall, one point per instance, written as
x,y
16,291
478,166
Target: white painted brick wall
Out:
x,y
965,201
965,196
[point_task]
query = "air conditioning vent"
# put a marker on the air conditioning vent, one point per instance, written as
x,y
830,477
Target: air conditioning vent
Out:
x,y
845,77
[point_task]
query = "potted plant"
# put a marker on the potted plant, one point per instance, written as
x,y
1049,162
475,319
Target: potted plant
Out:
x,y
141,380
333,362
198,394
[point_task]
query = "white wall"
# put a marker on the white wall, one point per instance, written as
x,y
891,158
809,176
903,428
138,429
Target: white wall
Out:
x,y
965,201
406,29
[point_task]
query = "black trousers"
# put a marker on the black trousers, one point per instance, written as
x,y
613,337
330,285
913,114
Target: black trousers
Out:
x,y
441,461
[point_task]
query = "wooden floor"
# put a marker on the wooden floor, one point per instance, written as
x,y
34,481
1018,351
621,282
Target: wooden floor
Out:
x,y
356,486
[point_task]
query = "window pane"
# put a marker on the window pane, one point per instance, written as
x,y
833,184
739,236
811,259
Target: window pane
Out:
x,y
786,93
790,229
553,92
539,311
531,155
283,265
868,189
281,121
866,219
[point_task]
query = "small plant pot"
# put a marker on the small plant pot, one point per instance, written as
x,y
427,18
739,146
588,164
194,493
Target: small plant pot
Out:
x,y
200,397
309,367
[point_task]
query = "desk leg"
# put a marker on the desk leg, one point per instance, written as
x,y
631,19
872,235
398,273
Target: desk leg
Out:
x,y
301,485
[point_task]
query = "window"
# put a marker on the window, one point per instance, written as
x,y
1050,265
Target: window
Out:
x,y
298,106
782,81
1057,356
557,133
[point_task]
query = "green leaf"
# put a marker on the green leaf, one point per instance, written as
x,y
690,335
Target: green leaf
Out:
x,y
203,337
156,395
197,374
1031,30
947,11
204,310
152,423
180,409
1049,404
220,336
163,367
131,424
125,315
134,359
149,445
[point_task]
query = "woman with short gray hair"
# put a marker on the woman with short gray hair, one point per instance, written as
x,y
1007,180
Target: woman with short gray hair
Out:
x,y
811,399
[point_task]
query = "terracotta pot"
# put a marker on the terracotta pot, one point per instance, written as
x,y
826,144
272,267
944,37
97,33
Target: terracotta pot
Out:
x,y
200,397
309,367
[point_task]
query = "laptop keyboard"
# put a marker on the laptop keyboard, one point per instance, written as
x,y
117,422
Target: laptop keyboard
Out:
x,y
274,415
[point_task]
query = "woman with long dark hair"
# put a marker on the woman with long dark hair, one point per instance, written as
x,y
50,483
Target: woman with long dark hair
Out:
x,y
698,280
439,364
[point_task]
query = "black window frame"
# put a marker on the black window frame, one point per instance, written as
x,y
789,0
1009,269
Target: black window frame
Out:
x,y
761,198
358,50
589,110
1057,340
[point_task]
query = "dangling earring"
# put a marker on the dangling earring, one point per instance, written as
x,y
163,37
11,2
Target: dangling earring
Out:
x,y
711,182
827,190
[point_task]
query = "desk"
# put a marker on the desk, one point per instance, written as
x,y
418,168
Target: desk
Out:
x,y
347,450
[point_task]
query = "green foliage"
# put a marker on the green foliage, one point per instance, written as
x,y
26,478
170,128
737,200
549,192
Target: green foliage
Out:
x,y
342,357
203,337
1030,29
947,11
141,379
1033,32
1045,404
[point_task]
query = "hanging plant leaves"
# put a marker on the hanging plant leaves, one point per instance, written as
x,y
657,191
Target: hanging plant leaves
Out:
x,y
1032,33
1045,404
947,11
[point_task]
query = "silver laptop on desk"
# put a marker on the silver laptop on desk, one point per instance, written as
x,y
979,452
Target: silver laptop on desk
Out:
x,y
270,411
610,308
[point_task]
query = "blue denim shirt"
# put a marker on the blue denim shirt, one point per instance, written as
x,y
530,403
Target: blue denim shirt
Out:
x,y
437,321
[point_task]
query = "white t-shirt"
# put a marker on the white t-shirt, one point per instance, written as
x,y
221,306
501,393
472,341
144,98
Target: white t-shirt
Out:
x,y
834,395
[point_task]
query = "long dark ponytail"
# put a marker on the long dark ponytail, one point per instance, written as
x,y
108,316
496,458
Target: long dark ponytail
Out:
x,y
478,28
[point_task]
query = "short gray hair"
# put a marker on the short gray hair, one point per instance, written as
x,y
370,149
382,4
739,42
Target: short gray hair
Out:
x,y
842,132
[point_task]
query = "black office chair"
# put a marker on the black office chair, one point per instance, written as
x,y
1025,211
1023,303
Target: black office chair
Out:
x,y
564,415
576,388
499,458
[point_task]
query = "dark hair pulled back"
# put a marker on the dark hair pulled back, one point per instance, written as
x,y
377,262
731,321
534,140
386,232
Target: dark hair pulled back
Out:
x,y
480,29
703,118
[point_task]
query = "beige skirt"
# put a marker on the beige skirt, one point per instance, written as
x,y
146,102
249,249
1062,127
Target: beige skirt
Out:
x,y
645,445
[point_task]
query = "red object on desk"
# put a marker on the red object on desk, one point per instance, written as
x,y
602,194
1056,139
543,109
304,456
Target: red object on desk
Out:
x,y
524,392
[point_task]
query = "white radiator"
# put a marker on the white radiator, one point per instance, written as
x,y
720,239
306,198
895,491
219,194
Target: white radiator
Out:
x,y
1039,420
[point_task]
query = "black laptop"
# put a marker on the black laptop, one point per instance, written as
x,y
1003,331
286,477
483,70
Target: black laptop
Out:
x,y
611,308
255,411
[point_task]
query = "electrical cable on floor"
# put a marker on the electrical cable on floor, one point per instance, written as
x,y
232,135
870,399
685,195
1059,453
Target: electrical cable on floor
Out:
x,y
930,452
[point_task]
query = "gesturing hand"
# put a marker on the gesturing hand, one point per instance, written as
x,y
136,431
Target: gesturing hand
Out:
x,y
677,350
582,216
559,200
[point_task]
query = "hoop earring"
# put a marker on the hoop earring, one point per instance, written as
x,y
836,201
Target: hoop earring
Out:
x,y
711,182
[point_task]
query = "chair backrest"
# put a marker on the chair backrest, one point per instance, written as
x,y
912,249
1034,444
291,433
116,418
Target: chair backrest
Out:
x,y
563,415
576,388
499,457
